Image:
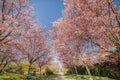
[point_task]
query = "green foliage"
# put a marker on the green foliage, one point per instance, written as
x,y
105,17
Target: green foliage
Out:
x,y
106,69
24,66
48,71
20,68
80,70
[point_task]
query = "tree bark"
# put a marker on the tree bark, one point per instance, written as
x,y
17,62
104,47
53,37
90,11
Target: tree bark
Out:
x,y
88,71
29,68
40,70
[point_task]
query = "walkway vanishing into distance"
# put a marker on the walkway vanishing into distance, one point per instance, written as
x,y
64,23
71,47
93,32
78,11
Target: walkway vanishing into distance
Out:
x,y
61,76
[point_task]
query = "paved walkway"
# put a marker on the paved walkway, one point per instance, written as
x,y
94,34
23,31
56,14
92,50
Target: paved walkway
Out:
x,y
61,77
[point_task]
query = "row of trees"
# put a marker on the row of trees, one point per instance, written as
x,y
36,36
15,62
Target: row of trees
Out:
x,y
21,39
86,28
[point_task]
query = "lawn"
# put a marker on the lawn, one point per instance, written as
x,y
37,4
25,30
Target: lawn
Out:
x,y
86,77
13,76
51,77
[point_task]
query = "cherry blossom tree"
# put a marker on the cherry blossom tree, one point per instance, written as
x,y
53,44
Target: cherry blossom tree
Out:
x,y
44,61
15,15
92,24
32,46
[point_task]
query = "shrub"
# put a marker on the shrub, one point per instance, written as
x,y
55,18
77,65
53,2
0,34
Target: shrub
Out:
x,y
49,71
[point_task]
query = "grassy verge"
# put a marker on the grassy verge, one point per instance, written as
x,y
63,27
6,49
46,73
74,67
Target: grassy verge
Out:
x,y
50,77
13,76
86,77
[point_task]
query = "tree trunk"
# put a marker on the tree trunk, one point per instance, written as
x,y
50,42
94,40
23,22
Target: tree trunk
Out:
x,y
88,71
86,66
40,70
76,72
4,66
29,68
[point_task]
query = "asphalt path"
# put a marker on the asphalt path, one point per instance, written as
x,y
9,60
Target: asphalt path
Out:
x,y
61,76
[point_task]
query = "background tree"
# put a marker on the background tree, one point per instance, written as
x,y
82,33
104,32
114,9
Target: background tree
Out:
x,y
44,61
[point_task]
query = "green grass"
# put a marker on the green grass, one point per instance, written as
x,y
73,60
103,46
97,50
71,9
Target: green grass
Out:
x,y
86,77
51,77
13,76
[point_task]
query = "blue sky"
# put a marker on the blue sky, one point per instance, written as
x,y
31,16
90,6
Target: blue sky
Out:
x,y
47,11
